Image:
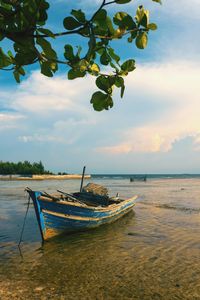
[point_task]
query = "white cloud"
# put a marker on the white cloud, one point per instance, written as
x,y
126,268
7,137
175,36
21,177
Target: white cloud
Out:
x,y
60,110
196,142
62,132
50,110
9,120
42,95
41,138
171,8
160,108
6,117
182,8
175,84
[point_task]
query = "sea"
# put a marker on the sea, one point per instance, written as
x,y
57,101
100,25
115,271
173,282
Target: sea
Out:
x,y
152,253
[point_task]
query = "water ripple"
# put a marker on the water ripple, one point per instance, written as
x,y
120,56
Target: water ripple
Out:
x,y
152,253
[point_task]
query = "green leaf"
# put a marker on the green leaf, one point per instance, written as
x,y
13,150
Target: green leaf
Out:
x,y
83,65
122,91
5,60
21,71
145,19
128,65
54,66
95,69
25,58
85,31
122,1
46,69
18,72
113,55
2,36
104,24
123,20
158,1
139,13
132,36
78,51
46,32
104,83
46,47
41,16
142,16
70,23
118,17
128,23
17,76
109,25
119,82
101,101
44,5
100,16
72,74
69,54
129,39
79,15
152,26
141,40
10,54
105,58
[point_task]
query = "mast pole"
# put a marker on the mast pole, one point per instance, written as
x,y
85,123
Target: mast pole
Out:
x,y
83,174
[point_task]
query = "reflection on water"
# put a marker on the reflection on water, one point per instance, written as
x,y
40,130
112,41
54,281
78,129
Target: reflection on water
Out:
x,y
152,253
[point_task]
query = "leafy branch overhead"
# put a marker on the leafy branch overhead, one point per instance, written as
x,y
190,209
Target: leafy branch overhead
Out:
x,y
23,22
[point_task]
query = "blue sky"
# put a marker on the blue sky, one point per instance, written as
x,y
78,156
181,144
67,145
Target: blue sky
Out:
x,y
155,128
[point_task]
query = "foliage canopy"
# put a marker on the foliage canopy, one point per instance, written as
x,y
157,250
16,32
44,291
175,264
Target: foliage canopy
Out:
x,y
23,22
22,168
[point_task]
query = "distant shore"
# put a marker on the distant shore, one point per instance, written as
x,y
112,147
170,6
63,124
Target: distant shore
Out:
x,y
43,177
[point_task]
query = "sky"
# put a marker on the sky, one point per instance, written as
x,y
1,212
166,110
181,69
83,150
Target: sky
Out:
x,y
155,128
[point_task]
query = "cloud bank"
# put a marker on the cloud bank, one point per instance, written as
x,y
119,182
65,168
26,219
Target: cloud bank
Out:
x,y
60,110
176,86
157,122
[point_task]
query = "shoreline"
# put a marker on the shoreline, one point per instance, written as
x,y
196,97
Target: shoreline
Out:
x,y
43,177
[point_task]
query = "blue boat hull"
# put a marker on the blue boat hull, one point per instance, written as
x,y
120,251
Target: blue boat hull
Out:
x,y
58,217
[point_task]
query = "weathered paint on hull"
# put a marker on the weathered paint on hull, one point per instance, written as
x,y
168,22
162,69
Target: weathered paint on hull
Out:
x,y
56,225
58,217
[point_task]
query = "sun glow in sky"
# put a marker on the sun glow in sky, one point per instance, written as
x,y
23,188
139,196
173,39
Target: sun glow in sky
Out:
x,y
155,128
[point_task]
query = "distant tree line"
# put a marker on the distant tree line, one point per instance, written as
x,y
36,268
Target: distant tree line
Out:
x,y
22,168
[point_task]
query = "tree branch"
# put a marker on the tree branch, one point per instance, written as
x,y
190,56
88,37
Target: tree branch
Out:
x,y
7,69
111,2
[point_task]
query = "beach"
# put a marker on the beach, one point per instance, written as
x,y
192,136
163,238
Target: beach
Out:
x,y
152,253
43,177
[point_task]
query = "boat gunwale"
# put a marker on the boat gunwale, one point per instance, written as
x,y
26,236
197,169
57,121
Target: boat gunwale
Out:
x,y
81,218
96,208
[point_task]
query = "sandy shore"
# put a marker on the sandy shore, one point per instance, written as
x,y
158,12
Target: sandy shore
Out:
x,y
45,177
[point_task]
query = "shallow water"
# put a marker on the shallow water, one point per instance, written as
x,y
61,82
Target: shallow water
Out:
x,y
152,253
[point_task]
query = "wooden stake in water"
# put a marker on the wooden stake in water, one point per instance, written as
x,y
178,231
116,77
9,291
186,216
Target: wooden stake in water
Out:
x,y
83,174
24,222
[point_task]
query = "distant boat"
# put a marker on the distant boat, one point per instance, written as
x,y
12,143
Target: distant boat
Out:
x,y
63,212
138,178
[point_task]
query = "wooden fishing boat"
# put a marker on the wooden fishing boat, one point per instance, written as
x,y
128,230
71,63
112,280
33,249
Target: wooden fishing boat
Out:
x,y
138,178
63,212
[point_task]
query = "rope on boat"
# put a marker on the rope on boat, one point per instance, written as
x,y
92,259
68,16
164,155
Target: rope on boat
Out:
x,y
24,222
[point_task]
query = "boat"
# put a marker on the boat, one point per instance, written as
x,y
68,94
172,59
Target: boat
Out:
x,y
138,178
65,213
